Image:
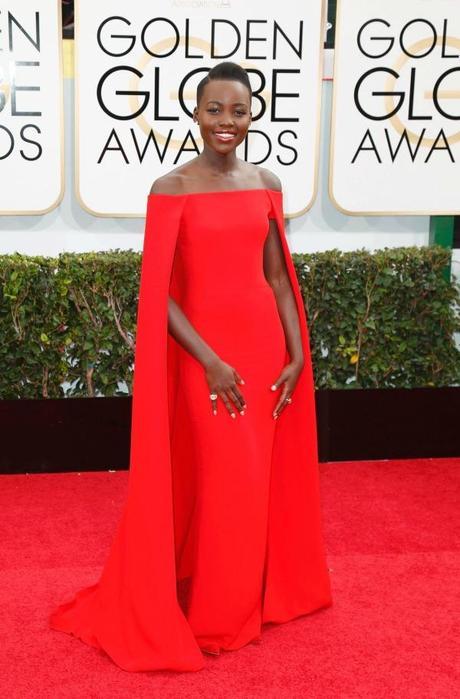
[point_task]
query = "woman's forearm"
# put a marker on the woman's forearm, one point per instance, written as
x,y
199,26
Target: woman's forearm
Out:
x,y
287,309
185,334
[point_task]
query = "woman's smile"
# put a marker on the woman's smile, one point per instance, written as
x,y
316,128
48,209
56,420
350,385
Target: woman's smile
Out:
x,y
225,136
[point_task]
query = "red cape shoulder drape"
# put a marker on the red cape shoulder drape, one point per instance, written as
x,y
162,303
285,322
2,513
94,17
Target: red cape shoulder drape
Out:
x,y
132,612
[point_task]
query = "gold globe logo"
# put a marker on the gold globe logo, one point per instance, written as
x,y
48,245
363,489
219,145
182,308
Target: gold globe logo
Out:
x,y
390,85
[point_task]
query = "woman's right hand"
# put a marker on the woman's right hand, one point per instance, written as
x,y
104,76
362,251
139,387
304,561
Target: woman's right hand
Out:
x,y
222,380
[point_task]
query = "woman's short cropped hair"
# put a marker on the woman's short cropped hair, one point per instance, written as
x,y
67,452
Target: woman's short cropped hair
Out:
x,y
227,70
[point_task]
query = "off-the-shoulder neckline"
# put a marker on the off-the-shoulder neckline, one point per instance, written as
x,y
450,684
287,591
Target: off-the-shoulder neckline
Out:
x,y
216,191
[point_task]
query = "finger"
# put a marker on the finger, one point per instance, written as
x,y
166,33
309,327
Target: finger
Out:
x,y
278,382
281,408
287,401
237,398
227,403
282,396
233,398
282,401
214,402
238,377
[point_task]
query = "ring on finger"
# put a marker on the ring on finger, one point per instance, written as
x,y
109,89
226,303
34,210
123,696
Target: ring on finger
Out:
x,y
213,396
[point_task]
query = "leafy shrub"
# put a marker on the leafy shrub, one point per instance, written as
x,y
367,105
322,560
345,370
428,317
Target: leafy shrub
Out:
x,y
376,320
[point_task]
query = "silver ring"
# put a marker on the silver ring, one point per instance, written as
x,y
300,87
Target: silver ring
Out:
x,y
213,396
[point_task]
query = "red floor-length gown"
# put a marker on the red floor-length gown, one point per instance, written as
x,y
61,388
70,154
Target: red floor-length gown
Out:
x,y
221,529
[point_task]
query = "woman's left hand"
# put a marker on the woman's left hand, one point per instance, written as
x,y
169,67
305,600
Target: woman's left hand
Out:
x,y
288,379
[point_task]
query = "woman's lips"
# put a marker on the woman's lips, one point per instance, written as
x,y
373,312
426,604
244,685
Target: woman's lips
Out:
x,y
224,136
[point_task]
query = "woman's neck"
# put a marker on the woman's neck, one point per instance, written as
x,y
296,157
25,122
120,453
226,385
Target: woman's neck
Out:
x,y
218,164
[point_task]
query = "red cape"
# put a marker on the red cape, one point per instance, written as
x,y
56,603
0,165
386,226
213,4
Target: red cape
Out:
x,y
132,612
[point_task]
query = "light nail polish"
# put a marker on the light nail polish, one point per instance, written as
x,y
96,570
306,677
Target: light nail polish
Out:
x,y
233,415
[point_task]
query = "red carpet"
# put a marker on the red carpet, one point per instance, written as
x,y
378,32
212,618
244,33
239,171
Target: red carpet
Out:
x,y
392,536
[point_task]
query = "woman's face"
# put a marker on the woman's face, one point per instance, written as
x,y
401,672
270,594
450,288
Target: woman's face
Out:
x,y
224,114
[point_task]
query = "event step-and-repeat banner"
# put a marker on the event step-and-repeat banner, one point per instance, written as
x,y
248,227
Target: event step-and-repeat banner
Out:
x,y
395,129
396,115
137,68
31,107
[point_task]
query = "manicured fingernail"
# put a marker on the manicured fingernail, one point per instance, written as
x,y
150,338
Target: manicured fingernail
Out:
x,y
214,412
241,412
242,381
273,387
233,415
275,417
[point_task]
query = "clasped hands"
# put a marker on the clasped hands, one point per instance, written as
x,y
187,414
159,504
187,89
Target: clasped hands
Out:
x,y
223,380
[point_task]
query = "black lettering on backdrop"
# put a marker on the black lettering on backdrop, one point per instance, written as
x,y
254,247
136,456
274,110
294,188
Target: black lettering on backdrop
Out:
x,y
23,29
24,137
156,102
357,95
150,139
131,38
296,50
371,147
436,94
441,137
257,93
117,39
100,96
214,24
386,50
250,38
183,85
13,22
375,39
109,148
276,95
368,144
187,42
5,151
404,139
402,38
175,33
123,43
250,136
15,88
444,43
185,149
295,155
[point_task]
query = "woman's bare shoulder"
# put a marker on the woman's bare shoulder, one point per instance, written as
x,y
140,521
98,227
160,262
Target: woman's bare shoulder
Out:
x,y
176,181
170,183
270,180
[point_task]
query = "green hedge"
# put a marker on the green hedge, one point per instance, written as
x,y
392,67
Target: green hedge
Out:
x,y
382,320
377,320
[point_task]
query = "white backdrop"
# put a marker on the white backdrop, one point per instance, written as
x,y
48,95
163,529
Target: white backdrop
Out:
x,y
395,144
156,53
31,107
70,228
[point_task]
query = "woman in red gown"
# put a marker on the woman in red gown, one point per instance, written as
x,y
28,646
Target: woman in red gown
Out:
x,y
221,529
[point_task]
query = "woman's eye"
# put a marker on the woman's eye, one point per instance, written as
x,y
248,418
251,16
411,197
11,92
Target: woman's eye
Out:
x,y
214,110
